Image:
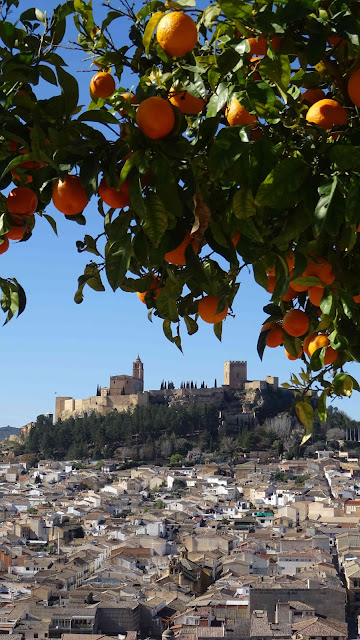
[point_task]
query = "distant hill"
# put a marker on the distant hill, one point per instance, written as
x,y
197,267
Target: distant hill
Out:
x,y
5,432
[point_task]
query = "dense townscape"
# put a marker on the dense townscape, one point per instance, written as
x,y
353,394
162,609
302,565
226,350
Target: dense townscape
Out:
x,y
259,549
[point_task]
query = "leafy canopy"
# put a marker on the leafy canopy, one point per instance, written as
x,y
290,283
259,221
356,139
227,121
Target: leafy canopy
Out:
x,y
251,197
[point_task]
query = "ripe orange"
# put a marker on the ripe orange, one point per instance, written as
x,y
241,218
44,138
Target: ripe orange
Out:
x,y
69,196
237,115
322,269
269,325
153,285
16,232
102,85
327,114
4,246
207,310
290,295
177,256
298,287
312,95
115,198
187,103
330,356
235,239
354,87
296,323
335,40
307,341
275,338
318,342
127,97
155,117
290,357
357,298
271,284
22,201
315,295
177,34
258,46
255,60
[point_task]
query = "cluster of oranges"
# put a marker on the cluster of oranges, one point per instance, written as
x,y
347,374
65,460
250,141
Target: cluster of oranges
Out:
x,y
296,323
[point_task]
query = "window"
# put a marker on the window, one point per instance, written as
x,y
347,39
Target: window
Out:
x,y
36,635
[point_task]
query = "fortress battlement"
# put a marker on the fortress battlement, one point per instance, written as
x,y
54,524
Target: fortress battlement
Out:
x,y
127,392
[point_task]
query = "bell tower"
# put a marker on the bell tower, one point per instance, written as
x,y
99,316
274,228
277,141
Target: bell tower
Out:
x,y
138,371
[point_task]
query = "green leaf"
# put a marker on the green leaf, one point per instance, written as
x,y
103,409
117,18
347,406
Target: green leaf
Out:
x,y
322,405
191,325
244,204
117,261
218,330
91,277
150,28
69,89
277,71
305,413
47,74
155,220
326,193
286,178
98,115
326,304
51,222
345,157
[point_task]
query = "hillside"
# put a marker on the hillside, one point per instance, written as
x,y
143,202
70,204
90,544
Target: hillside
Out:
x,y
5,432
244,422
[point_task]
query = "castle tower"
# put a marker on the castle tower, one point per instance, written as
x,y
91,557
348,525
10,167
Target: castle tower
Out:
x,y
235,374
138,371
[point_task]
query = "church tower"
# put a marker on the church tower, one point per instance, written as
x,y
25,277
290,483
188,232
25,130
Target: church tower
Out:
x,y
138,371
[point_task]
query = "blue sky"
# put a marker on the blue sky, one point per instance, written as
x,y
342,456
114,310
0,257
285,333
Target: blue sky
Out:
x,y
59,347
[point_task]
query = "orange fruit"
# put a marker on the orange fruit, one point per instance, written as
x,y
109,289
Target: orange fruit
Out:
x,y
4,246
207,308
335,40
290,295
354,87
298,287
16,232
296,323
290,357
102,85
312,95
16,176
115,198
275,338
327,114
269,325
177,34
258,46
69,196
322,269
187,103
276,42
153,285
235,239
307,341
318,342
127,97
177,256
22,201
356,298
315,295
237,115
330,356
155,118
255,60
271,284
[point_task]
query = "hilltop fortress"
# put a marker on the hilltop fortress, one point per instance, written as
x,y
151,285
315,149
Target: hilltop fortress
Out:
x,y
127,392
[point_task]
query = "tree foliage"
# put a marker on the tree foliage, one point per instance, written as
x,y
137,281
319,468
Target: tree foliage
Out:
x,y
285,187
